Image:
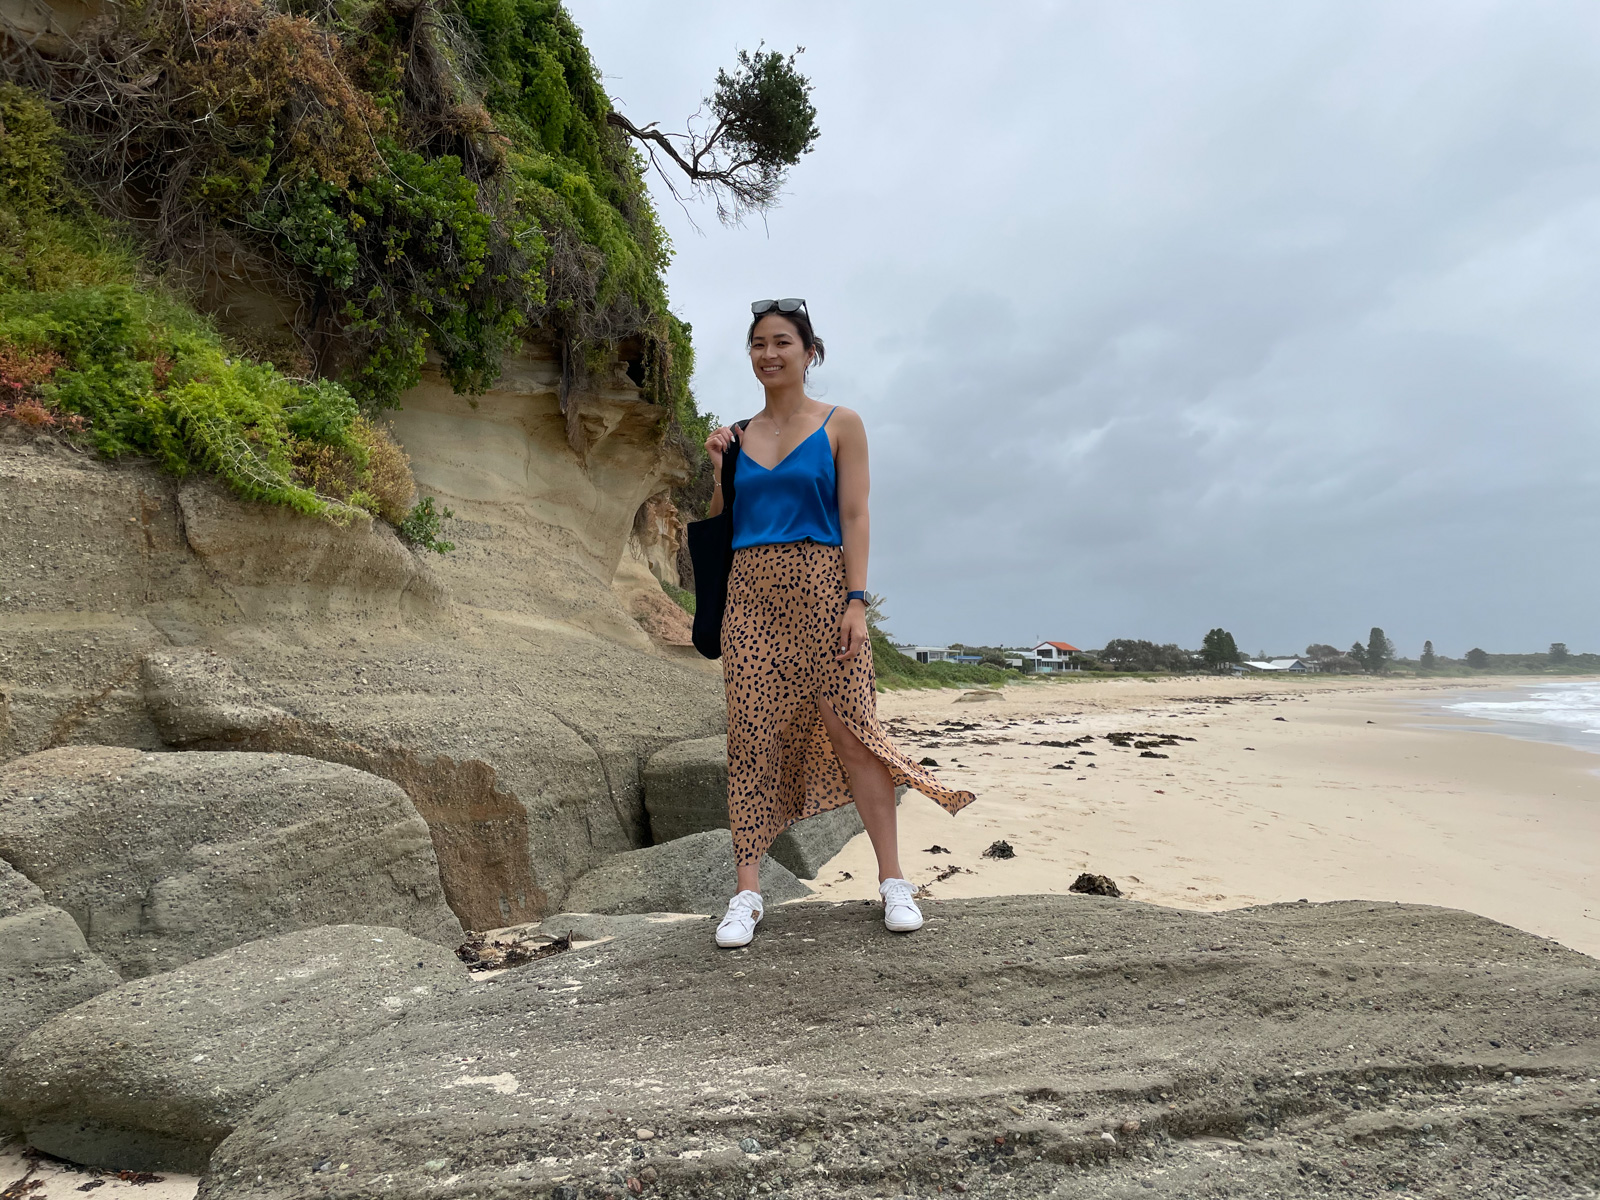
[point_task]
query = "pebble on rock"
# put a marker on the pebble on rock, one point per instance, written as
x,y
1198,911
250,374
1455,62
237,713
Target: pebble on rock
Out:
x,y
644,1135
750,1145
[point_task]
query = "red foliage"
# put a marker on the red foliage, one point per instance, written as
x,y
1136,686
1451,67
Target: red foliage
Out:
x,y
21,373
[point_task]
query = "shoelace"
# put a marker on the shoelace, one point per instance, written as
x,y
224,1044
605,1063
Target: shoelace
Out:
x,y
898,893
743,905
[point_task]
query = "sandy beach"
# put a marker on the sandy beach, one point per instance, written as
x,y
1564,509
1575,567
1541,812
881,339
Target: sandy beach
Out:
x,y
1322,789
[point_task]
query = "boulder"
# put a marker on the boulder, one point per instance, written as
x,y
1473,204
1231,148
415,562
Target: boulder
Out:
x,y
45,965
686,788
806,846
165,858
151,1075
1016,1046
686,791
689,875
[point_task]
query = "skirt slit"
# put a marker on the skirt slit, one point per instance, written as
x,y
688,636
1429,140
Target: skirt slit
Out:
x,y
779,634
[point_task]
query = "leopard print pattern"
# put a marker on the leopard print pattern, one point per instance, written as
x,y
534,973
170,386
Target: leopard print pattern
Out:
x,y
779,639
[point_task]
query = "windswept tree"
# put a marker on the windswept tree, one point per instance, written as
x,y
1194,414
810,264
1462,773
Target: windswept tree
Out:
x,y
1558,652
1219,651
739,146
1428,660
1477,659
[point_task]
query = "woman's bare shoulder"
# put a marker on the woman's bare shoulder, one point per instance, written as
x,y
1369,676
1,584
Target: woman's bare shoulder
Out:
x,y
846,418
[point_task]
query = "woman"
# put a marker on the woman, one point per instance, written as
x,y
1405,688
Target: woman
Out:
x,y
803,733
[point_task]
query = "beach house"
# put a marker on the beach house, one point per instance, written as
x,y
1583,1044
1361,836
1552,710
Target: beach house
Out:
x,y
1050,657
926,654
1298,665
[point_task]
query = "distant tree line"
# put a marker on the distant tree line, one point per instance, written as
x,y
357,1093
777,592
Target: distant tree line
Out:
x,y
1219,652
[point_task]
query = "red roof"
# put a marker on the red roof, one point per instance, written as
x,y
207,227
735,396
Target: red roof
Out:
x,y
1062,646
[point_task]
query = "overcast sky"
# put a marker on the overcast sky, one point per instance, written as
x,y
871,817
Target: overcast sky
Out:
x,y
1163,316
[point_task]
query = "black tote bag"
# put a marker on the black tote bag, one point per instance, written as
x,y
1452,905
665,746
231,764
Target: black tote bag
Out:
x,y
711,552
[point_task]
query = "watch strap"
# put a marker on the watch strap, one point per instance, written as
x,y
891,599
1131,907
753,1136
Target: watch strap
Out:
x,y
856,595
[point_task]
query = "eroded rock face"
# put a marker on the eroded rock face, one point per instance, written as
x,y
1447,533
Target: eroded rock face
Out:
x,y
505,687
165,858
545,499
153,1075
45,965
690,875
276,564
1073,1045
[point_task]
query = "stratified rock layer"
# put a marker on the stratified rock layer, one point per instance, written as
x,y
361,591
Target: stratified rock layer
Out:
x,y
152,1075
1020,1047
504,687
165,858
45,965
689,875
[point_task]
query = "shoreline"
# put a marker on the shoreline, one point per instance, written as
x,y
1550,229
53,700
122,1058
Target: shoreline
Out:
x,y
1526,731
1350,795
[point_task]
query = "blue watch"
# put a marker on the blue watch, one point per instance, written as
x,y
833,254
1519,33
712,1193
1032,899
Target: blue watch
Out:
x,y
861,596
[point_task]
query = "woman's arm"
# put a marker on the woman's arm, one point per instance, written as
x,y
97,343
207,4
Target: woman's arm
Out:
x,y
720,439
850,469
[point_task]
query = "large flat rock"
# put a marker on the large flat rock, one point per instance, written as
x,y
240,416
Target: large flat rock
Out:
x,y
45,965
690,875
165,858
1026,1046
152,1075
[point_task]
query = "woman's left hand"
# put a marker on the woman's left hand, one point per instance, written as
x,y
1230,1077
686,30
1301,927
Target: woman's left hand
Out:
x,y
852,631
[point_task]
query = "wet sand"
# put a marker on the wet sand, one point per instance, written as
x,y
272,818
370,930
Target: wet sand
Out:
x,y
1291,788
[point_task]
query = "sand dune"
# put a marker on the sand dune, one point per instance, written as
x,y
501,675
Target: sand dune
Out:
x,y
1317,788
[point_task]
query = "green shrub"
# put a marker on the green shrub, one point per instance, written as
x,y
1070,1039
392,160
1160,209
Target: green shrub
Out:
x,y
432,179
683,597
424,524
86,348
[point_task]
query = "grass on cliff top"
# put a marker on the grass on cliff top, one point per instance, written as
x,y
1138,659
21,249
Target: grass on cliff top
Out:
x,y
424,178
93,349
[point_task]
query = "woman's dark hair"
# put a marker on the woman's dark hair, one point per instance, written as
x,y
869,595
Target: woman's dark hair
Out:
x,y
801,320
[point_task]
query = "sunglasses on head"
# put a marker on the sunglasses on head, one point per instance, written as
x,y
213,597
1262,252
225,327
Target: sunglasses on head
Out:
x,y
788,305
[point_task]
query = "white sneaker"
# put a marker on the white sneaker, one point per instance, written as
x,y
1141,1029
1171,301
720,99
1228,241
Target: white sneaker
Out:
x,y
900,911
744,914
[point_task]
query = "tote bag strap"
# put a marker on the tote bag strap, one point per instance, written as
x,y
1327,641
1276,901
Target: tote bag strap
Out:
x,y
730,460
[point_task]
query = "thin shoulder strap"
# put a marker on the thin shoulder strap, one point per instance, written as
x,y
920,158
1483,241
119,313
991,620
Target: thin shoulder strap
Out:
x,y
829,417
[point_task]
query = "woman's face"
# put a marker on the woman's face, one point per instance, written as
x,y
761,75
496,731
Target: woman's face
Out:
x,y
777,355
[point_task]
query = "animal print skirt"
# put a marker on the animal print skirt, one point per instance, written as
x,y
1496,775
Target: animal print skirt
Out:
x,y
779,659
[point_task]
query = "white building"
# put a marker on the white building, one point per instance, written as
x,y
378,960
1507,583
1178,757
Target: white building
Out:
x,y
927,654
1051,657
1298,665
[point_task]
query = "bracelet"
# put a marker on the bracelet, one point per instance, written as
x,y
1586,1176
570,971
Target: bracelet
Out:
x,y
861,596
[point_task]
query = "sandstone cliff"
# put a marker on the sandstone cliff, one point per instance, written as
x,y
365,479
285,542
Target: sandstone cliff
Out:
x,y
505,687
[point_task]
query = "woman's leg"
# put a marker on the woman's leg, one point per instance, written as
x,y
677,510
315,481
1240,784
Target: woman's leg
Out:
x,y
873,790
749,877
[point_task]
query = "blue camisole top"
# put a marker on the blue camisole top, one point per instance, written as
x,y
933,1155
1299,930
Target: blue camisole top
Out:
x,y
795,500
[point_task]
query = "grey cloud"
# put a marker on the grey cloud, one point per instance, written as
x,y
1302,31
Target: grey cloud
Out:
x,y
1167,316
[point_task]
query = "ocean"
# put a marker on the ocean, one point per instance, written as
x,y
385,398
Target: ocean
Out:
x,y
1568,713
